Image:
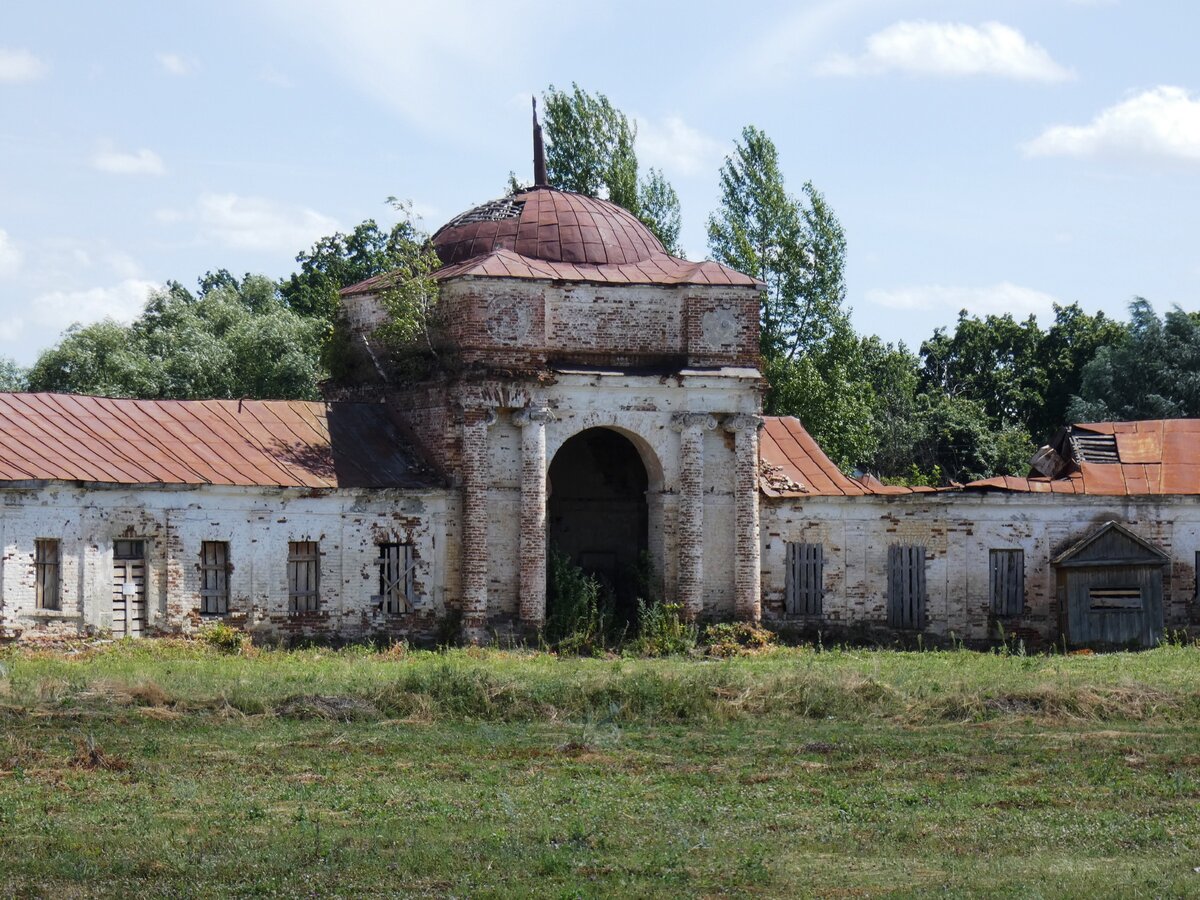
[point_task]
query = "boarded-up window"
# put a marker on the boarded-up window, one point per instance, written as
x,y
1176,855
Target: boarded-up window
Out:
x,y
804,583
214,578
1115,599
304,576
396,577
906,586
1008,582
47,570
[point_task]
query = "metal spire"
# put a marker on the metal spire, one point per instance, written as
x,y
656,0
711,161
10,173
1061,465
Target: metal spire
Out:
x,y
539,151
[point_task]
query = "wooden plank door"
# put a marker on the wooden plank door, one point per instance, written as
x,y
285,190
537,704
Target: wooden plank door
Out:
x,y
129,589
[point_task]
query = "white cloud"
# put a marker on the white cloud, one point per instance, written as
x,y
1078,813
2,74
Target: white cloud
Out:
x,y
950,49
256,223
174,64
117,162
10,255
1162,123
998,299
123,302
677,147
19,65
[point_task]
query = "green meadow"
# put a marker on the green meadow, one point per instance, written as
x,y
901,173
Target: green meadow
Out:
x,y
165,768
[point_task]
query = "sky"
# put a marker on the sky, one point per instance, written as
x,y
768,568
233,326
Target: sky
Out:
x,y
989,155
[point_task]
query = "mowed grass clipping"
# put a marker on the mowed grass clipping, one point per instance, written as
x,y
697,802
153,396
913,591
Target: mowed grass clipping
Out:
x,y
170,769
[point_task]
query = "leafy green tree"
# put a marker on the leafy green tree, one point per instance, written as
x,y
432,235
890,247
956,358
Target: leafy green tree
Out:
x,y
893,376
659,205
957,439
12,376
236,339
1153,373
1067,347
796,247
590,149
340,260
993,360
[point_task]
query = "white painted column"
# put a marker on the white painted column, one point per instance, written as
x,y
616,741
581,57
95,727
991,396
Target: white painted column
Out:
x,y
475,522
690,530
532,422
747,571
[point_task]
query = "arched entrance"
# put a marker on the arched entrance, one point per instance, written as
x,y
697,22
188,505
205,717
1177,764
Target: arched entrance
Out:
x,y
598,514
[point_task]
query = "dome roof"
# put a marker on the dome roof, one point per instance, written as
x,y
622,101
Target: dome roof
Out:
x,y
546,224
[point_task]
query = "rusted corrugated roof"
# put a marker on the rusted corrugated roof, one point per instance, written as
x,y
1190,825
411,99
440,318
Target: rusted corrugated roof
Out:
x,y
1149,457
548,224
271,443
791,464
659,269
557,235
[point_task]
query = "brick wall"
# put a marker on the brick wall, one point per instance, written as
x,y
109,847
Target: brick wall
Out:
x,y
257,524
958,531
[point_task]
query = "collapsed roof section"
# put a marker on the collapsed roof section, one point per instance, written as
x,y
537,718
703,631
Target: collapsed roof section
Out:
x,y
1153,457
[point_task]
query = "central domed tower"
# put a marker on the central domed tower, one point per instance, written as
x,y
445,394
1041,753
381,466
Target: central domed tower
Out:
x,y
604,400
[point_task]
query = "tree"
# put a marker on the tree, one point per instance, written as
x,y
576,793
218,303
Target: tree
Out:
x,y
796,248
235,339
12,376
340,260
1153,373
660,209
993,360
590,149
958,440
1068,346
893,376
811,356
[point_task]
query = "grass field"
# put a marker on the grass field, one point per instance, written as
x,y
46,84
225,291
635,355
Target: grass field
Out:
x,y
169,769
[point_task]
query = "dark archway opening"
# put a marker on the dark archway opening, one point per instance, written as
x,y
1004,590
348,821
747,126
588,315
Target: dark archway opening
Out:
x,y
598,516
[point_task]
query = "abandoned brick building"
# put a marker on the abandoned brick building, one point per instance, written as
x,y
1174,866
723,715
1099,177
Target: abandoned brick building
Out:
x,y
606,402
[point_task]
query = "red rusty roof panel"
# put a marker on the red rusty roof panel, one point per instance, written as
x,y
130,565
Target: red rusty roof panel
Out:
x,y
1140,446
275,443
1103,478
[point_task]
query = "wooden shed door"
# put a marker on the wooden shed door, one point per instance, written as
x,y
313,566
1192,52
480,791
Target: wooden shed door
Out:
x,y
129,588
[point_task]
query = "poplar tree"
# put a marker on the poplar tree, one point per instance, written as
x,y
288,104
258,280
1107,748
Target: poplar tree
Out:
x,y
590,149
796,247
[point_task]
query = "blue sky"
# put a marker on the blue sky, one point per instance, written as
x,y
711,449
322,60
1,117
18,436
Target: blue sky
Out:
x,y
996,156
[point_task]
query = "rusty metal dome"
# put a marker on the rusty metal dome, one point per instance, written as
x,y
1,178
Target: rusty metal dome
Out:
x,y
548,224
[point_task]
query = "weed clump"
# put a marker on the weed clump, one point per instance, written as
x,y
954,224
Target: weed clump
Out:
x,y
224,638
662,630
727,639
578,621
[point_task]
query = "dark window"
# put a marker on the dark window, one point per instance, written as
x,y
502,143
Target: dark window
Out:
x,y
906,586
1007,569
395,577
304,576
1115,599
804,584
129,549
214,578
47,569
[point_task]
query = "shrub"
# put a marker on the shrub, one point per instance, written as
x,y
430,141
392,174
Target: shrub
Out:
x,y
225,638
727,639
578,620
662,630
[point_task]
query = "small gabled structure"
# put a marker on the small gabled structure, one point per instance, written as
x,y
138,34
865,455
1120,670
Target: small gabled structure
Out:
x,y
1110,589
